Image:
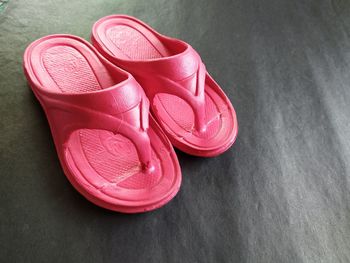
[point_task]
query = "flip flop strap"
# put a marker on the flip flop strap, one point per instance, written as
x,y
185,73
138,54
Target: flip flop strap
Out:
x,y
195,99
72,117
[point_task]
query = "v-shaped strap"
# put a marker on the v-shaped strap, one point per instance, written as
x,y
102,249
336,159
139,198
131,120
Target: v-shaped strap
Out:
x,y
196,100
183,76
131,123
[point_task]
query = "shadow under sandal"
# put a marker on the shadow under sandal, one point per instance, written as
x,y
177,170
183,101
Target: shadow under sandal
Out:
x,y
110,148
194,112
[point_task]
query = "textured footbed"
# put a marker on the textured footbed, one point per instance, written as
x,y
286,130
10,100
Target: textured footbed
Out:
x,y
132,44
99,159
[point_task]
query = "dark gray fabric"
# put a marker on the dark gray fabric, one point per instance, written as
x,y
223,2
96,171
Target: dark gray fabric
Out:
x,y
280,194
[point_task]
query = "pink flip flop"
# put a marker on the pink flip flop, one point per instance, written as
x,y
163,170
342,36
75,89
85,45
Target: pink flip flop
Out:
x,y
194,112
111,151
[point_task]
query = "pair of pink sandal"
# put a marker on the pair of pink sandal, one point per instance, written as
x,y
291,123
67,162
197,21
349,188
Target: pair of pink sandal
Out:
x,y
112,150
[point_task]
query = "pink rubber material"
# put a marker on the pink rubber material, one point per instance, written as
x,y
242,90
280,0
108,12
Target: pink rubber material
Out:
x,y
189,105
111,149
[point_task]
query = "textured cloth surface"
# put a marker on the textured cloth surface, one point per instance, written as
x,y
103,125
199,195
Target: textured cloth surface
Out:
x,y
280,194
